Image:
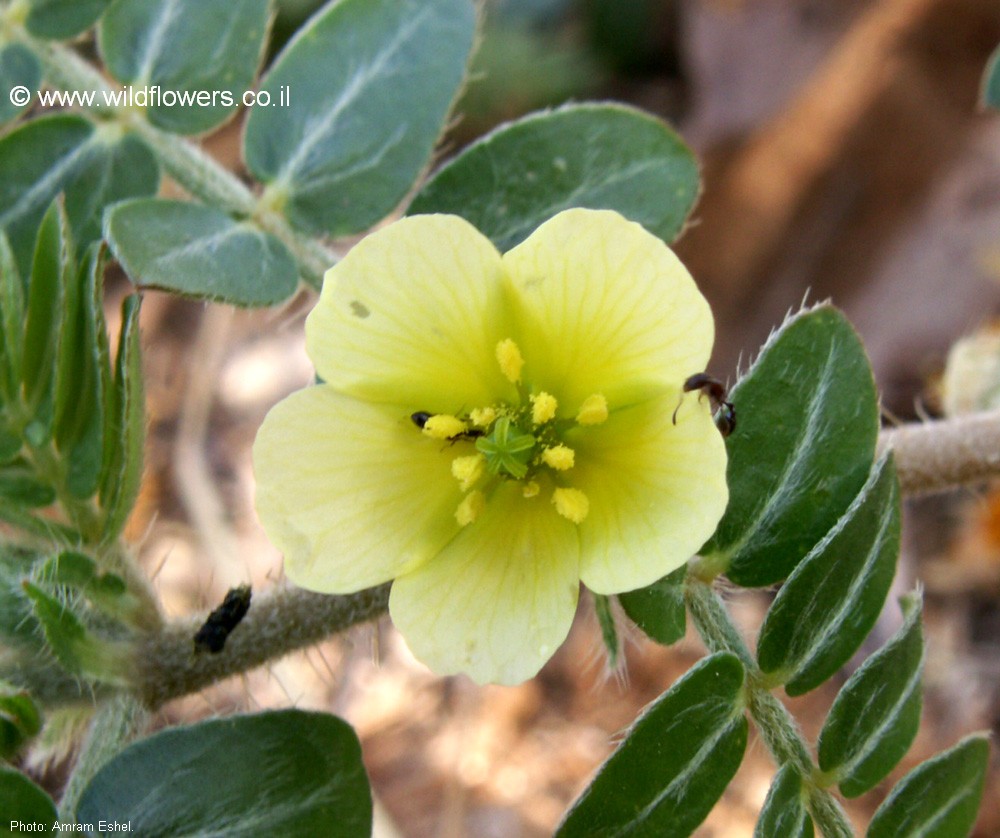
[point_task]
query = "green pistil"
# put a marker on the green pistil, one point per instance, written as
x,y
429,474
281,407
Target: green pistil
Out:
x,y
507,449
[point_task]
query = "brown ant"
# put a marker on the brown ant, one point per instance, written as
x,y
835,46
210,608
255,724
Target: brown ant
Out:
x,y
420,419
725,412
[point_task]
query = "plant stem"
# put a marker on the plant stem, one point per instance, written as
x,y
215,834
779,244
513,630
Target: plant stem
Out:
x,y
776,726
279,621
116,722
941,455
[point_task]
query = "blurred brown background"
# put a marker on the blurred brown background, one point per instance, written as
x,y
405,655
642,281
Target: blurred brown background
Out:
x,y
844,157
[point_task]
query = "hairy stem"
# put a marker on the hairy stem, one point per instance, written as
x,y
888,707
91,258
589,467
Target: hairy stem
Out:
x,y
941,455
278,622
775,724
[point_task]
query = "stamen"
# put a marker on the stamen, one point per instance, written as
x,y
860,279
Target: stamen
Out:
x,y
470,508
482,417
572,504
593,411
444,426
510,360
531,489
559,457
543,408
467,470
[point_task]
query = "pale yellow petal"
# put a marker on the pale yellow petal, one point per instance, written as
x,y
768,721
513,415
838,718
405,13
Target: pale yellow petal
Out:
x,y
500,598
603,306
656,491
351,493
412,315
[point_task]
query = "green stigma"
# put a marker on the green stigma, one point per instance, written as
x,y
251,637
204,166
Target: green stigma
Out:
x,y
507,449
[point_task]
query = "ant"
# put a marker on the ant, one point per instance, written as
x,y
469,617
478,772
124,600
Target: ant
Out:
x,y
420,419
725,419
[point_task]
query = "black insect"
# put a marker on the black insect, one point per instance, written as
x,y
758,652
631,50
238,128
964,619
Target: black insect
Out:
x,y
211,637
420,419
725,412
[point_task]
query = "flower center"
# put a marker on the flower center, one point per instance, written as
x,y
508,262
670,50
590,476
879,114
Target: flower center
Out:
x,y
507,450
521,442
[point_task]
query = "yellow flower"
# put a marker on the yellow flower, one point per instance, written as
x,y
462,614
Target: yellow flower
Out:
x,y
493,430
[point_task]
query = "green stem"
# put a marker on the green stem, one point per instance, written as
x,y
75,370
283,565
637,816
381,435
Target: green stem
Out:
x,y
776,726
116,723
197,172
194,170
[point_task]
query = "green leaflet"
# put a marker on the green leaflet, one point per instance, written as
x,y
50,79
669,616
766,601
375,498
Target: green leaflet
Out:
x,y
186,48
47,301
66,153
21,800
125,427
82,377
12,291
939,798
199,251
876,715
106,592
675,762
803,446
60,19
659,608
285,772
18,68
825,610
20,486
784,813
19,721
602,156
80,652
371,83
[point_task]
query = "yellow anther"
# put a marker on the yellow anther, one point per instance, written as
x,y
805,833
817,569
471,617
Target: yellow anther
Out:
x,y
470,508
482,417
467,470
571,504
543,407
510,360
444,426
531,489
593,411
559,457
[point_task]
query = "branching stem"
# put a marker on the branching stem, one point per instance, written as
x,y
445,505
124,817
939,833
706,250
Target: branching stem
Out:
x,y
775,724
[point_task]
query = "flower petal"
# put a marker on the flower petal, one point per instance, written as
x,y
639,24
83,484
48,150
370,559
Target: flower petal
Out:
x,y
656,491
603,306
352,494
500,598
412,315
